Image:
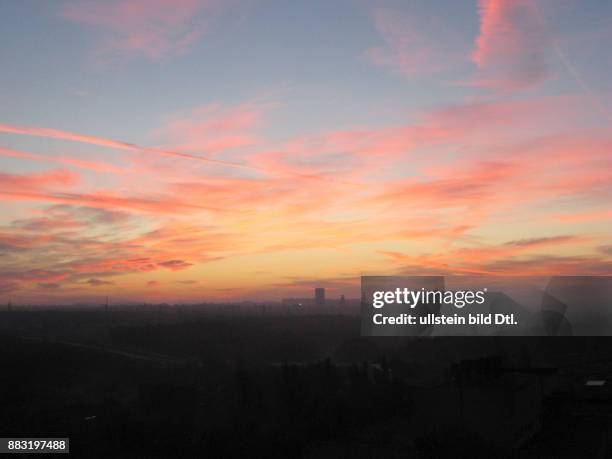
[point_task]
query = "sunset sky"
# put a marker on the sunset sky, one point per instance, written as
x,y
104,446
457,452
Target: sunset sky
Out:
x,y
199,150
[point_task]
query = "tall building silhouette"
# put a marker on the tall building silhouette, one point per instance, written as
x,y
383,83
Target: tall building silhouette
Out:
x,y
320,296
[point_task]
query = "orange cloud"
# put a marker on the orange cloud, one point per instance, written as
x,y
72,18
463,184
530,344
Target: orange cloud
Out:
x,y
580,217
510,258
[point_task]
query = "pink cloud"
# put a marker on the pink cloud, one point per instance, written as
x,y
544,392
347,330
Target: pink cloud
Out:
x,y
38,181
409,47
105,142
243,117
64,135
212,128
53,187
82,164
445,179
472,184
350,154
512,48
153,29
89,244
117,265
107,200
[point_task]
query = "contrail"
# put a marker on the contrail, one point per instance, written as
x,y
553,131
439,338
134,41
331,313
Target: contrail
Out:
x,y
93,140
71,136
571,69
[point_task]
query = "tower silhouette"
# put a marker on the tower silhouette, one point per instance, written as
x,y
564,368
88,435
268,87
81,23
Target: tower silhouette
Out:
x,y
320,296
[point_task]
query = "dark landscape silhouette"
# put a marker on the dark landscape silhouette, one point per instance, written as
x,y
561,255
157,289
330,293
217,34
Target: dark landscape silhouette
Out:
x,y
248,380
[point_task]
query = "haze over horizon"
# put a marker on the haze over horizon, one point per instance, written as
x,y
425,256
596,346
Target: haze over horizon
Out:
x,y
179,151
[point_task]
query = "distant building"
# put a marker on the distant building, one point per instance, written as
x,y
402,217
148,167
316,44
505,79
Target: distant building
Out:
x,y
320,296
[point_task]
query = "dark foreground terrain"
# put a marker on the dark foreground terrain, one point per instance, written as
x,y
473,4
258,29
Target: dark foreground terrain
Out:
x,y
166,383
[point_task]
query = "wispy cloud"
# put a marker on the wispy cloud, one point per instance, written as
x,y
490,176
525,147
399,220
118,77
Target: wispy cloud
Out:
x,y
512,49
519,257
98,282
212,128
175,265
110,143
444,182
38,181
95,166
153,29
413,44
